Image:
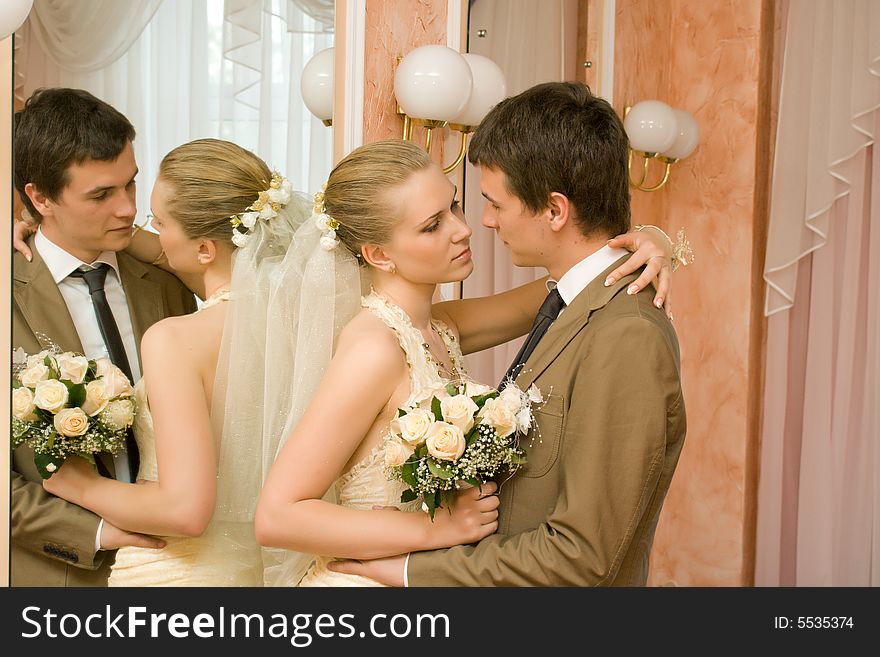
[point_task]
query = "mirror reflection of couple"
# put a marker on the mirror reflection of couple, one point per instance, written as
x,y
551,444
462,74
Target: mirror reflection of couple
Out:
x,y
262,443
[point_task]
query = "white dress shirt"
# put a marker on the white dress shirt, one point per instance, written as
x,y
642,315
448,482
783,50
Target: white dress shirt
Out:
x,y
572,283
75,292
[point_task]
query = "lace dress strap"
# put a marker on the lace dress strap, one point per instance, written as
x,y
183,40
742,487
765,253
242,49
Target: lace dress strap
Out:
x,y
424,378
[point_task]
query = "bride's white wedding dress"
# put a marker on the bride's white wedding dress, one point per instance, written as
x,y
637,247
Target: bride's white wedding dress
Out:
x,y
365,485
227,553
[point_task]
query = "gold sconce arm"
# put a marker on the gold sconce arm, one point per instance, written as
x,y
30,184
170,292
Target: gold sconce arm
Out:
x,y
647,157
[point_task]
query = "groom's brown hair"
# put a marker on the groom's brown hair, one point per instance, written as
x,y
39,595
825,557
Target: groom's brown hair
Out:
x,y
59,127
559,137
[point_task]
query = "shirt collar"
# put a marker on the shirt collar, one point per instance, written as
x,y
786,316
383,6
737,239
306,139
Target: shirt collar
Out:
x,y
583,273
61,263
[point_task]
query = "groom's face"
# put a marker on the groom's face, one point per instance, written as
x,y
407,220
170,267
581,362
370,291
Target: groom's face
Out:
x,y
522,231
95,210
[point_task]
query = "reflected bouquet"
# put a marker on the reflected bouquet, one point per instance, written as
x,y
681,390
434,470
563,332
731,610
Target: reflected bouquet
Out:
x,y
65,404
464,433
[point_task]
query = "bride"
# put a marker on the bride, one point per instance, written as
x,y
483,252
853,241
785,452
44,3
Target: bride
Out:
x,y
187,433
389,210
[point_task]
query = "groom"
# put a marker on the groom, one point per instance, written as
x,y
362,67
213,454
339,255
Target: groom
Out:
x,y
583,510
74,169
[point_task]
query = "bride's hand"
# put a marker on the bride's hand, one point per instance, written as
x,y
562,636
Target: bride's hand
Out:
x,y
471,517
71,479
21,230
653,249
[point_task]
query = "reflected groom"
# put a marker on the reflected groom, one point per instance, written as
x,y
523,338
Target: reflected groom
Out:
x,y
74,169
583,510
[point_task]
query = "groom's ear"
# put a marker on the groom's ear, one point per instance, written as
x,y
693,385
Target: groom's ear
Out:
x,y
375,256
560,210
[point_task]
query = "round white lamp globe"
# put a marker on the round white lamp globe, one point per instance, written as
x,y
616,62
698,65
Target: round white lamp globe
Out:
x,y
316,84
488,90
651,126
433,83
686,139
12,14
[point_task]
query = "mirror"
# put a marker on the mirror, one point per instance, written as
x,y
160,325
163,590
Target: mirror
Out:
x,y
187,70
541,41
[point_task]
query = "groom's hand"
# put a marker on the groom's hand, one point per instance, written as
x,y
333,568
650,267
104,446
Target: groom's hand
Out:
x,y
388,571
112,538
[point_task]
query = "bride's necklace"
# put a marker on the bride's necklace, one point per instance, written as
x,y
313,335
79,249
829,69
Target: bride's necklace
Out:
x,y
442,370
221,294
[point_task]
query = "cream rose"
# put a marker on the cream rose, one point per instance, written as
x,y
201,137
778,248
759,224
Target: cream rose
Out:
x,y
498,415
23,404
459,411
72,368
116,384
33,374
413,427
396,452
50,395
38,359
102,366
96,397
445,441
119,414
474,389
71,422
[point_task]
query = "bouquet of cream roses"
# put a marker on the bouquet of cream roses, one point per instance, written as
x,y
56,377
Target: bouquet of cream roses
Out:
x,y
64,404
464,433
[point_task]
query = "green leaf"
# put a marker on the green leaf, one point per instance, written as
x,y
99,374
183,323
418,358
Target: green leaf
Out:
x,y
44,460
438,470
400,412
16,383
50,442
76,393
408,496
472,436
451,389
431,502
408,474
435,409
480,400
474,482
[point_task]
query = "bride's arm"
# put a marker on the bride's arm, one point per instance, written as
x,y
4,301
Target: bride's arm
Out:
x,y
489,321
181,503
360,380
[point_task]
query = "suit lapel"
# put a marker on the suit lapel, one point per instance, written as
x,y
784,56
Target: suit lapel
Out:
x,y
41,304
144,297
575,317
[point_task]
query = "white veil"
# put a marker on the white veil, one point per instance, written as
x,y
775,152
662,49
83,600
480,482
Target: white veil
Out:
x,y
290,298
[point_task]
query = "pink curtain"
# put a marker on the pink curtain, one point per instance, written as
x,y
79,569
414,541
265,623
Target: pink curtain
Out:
x,y
819,487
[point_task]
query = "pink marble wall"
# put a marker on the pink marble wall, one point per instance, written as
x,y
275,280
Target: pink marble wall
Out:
x,y
393,28
705,57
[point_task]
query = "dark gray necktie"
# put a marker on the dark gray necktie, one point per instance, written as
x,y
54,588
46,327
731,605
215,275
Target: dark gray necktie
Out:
x,y
547,314
95,278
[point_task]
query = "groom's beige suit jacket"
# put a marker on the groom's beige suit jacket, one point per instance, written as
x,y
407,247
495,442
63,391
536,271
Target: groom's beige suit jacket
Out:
x,y
53,541
583,510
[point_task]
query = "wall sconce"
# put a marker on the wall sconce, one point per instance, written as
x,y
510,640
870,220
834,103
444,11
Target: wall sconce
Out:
x,y
316,85
12,15
435,86
656,130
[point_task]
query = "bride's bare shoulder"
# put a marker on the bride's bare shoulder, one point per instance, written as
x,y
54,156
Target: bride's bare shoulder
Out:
x,y
366,333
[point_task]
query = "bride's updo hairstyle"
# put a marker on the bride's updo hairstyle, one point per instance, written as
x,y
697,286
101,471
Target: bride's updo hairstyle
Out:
x,y
360,190
212,180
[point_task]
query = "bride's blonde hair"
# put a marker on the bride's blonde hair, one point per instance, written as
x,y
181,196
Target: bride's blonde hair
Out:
x,y
212,180
359,191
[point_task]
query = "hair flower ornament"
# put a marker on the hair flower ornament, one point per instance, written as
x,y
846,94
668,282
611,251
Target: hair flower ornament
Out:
x,y
266,207
325,223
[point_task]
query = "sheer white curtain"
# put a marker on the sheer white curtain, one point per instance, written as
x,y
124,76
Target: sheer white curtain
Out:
x,y
819,487
183,70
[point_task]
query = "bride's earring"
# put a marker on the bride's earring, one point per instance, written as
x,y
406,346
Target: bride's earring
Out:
x,y
392,269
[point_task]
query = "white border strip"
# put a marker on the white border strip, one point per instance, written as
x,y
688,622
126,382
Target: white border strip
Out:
x,y
606,56
354,74
453,24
